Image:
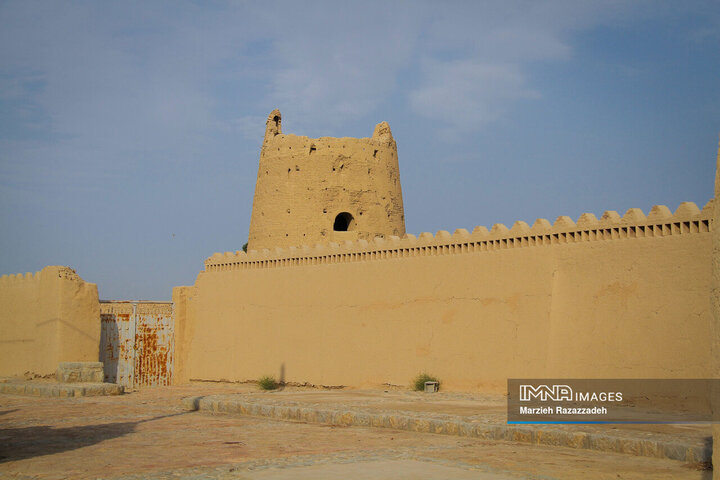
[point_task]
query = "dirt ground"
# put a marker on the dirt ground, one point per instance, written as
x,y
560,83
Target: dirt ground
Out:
x,y
148,435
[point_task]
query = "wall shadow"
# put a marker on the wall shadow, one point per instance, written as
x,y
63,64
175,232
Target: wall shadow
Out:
x,y
281,381
28,442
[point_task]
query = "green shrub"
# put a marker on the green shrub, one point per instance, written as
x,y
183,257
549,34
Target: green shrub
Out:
x,y
245,247
419,382
267,383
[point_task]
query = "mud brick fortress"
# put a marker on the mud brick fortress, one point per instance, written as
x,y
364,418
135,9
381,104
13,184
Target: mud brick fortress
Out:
x,y
332,291
326,189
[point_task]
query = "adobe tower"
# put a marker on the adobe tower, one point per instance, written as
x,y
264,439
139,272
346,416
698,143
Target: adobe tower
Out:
x,y
319,190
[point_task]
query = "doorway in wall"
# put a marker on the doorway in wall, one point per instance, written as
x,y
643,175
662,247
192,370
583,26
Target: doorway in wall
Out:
x,y
137,342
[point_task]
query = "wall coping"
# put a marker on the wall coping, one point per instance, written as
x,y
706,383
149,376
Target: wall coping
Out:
x,y
660,222
61,271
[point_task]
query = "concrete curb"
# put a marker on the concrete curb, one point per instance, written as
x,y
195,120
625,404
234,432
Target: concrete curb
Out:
x,y
539,435
61,390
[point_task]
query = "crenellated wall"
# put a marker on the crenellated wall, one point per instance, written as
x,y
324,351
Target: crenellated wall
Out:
x,y
615,297
660,222
46,318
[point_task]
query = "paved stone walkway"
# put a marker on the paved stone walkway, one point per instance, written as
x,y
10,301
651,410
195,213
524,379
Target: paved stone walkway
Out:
x,y
148,435
467,415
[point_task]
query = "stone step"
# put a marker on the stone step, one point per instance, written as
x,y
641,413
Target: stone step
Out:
x,y
644,444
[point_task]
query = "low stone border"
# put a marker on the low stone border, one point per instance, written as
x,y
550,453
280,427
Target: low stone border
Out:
x,y
539,435
61,390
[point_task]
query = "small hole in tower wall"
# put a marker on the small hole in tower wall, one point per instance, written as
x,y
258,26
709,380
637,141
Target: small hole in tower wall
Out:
x,y
344,221
312,149
375,153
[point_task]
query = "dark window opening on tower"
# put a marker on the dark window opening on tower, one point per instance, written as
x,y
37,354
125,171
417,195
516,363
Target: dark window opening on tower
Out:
x,y
344,222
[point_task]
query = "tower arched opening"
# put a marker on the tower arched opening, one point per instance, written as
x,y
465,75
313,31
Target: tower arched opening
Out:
x,y
344,221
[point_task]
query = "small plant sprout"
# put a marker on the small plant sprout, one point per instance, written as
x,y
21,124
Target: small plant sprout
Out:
x,y
419,382
267,382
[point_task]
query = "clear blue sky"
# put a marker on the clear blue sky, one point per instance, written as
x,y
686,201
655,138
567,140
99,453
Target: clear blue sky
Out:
x,y
130,131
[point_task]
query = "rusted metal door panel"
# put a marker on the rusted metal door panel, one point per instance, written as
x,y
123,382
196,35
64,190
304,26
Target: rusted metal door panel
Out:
x,y
109,346
154,342
117,337
137,343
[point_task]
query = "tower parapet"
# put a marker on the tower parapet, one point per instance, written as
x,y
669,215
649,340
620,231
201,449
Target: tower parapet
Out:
x,y
321,190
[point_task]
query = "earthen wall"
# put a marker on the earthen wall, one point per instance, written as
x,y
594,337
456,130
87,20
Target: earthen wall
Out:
x,y
615,297
715,306
48,317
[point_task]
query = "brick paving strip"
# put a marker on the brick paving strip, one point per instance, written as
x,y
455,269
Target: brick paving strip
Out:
x,y
62,390
633,442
